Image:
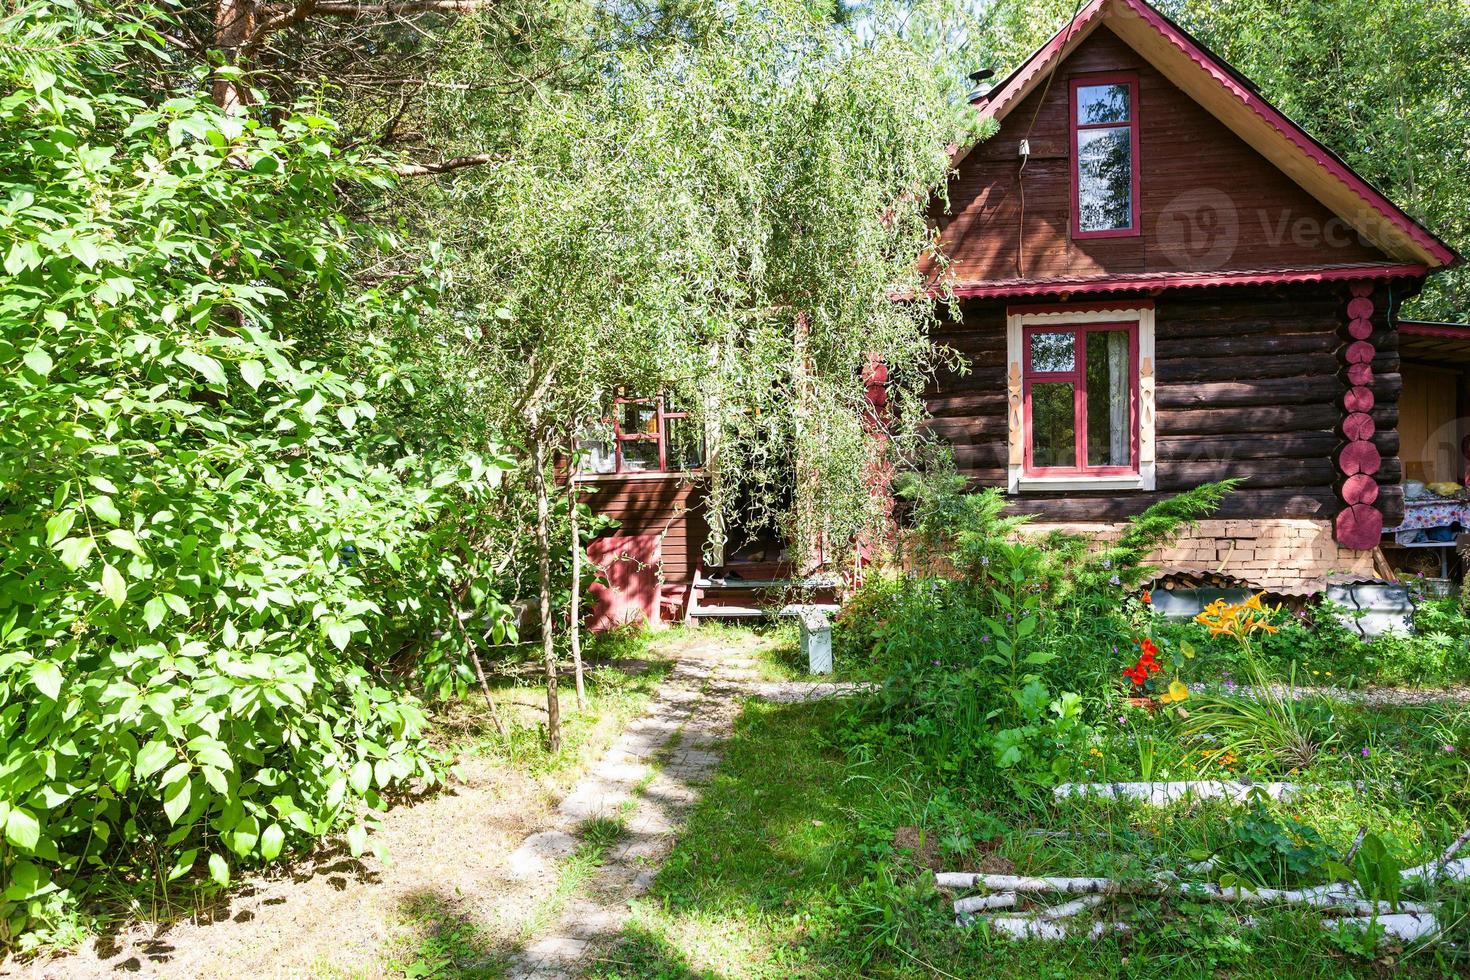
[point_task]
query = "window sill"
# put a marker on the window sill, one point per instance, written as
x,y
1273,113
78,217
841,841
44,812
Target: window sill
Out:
x,y
1039,484
639,475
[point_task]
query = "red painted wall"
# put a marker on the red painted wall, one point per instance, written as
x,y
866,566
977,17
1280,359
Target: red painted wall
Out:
x,y
669,509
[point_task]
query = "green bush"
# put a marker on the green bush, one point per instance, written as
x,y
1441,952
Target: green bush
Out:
x,y
217,565
981,669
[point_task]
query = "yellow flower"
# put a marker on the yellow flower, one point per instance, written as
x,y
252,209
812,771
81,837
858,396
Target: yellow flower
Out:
x,y
1177,692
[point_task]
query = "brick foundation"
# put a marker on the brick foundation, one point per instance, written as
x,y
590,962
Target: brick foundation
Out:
x,y
1291,556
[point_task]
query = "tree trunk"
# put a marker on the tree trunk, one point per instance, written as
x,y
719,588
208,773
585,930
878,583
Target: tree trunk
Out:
x,y
574,614
234,23
543,548
808,538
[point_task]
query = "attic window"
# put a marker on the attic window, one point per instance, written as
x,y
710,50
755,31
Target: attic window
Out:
x,y
1105,156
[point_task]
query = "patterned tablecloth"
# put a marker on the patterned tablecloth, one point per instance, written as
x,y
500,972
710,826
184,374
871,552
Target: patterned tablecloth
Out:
x,y
1430,512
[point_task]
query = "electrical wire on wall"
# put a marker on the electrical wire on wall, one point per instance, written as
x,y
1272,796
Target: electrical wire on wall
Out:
x,y
1026,141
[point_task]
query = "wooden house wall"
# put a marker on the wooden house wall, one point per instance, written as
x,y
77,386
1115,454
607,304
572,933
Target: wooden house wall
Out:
x,y
670,506
1248,386
1005,223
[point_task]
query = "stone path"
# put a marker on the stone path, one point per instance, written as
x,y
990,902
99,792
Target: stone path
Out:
x,y
648,779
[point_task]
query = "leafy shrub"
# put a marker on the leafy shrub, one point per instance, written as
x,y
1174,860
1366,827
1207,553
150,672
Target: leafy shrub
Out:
x,y
216,561
981,665
1277,852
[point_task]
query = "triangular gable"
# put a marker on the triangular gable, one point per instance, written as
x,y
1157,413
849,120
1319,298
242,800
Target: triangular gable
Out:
x,y
1221,91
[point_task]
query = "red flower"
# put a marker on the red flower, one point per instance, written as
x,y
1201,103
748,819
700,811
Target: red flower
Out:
x,y
1147,597
1150,649
1136,675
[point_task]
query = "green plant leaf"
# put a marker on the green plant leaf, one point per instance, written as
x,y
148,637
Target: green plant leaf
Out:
x,y
46,676
253,373
153,757
356,839
126,540
59,526
114,586
184,864
271,841
176,798
205,365
22,829
219,870
38,361
155,610
74,552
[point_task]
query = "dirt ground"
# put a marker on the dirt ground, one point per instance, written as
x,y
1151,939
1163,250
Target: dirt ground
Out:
x,y
336,916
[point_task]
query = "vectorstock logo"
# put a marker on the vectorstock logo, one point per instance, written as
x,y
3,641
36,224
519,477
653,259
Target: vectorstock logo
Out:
x,y
1199,229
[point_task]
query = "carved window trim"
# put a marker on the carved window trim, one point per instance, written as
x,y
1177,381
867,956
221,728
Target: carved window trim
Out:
x,y
1091,316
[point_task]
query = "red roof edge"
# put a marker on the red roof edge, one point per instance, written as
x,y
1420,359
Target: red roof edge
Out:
x,y
1424,328
1117,284
1233,82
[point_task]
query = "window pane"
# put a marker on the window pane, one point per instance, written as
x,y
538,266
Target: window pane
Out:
x,y
638,417
596,445
639,455
1109,387
1104,178
1053,352
1053,424
1102,104
685,444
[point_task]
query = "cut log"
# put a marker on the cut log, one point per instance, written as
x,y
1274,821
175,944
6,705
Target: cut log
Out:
x,y
1359,457
1360,374
1358,526
1161,794
1360,352
1342,899
1360,308
1068,909
979,903
1406,927
1360,328
1359,489
1358,399
1359,426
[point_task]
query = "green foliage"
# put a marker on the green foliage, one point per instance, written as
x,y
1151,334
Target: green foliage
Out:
x,y
217,563
1275,852
1268,723
980,667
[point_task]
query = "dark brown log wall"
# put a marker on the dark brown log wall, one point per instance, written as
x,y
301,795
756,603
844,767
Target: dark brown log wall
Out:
x,y
1006,223
1249,385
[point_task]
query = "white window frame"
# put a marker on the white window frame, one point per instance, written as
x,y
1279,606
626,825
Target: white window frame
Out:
x,y
1017,320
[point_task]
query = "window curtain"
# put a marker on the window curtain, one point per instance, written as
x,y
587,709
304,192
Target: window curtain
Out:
x,y
1120,385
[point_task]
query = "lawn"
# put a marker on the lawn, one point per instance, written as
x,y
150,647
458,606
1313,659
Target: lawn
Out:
x,y
802,861
1011,697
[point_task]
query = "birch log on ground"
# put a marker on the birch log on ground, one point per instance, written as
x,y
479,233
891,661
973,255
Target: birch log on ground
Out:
x,y
1340,899
979,903
1159,794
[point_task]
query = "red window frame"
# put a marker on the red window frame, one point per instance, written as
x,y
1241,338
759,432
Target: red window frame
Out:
x,y
1135,224
1078,379
660,436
